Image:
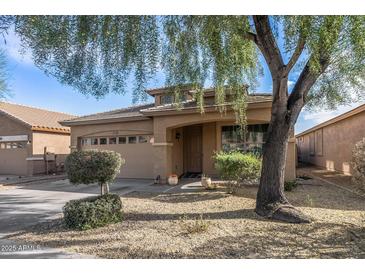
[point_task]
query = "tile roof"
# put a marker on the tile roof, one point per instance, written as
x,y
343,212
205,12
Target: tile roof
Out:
x,y
36,118
141,111
191,104
132,112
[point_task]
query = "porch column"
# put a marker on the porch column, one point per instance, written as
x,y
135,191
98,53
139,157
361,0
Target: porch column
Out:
x,y
163,160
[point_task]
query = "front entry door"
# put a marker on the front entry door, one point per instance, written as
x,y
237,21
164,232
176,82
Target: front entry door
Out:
x,y
193,153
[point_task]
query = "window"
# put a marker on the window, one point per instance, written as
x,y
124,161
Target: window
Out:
x,y
21,145
142,139
132,139
8,146
112,141
94,141
103,141
86,141
167,99
311,145
319,142
2,146
122,140
234,139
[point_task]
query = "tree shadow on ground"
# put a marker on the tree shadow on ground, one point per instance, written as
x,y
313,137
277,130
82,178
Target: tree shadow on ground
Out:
x,y
224,215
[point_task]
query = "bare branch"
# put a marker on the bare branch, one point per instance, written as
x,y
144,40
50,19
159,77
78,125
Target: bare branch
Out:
x,y
306,80
297,52
268,45
251,36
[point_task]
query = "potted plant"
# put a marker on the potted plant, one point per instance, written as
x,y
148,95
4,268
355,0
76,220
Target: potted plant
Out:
x,y
207,182
173,180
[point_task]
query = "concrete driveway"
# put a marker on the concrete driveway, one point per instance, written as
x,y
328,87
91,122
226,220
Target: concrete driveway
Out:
x,y
26,205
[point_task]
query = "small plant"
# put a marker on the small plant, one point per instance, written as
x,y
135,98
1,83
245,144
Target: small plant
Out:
x,y
93,212
197,225
358,165
309,201
290,185
238,166
93,166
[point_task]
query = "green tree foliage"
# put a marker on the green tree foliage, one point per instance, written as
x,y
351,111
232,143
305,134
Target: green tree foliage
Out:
x,y
98,54
5,22
93,166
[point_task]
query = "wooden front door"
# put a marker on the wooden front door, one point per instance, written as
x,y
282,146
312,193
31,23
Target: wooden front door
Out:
x,y
193,153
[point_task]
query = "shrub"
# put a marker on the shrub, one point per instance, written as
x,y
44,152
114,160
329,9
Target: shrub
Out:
x,y
93,166
197,225
238,166
290,185
93,212
358,165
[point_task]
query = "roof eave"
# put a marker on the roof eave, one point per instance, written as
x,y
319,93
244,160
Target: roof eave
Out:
x,y
103,121
189,110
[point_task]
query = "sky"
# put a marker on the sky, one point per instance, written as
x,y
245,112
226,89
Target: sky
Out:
x,y
31,86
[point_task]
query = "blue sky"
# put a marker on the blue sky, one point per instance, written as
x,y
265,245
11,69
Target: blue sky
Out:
x,y
31,86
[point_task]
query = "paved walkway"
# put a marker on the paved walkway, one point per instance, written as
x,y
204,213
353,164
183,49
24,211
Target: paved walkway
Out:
x,y
28,204
331,177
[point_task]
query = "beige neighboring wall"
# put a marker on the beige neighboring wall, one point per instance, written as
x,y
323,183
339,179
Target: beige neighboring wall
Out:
x,y
139,157
338,140
13,162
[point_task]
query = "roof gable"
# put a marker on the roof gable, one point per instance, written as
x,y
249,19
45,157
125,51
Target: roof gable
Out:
x,y
36,118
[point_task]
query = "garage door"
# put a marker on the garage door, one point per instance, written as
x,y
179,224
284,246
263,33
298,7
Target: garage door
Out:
x,y
137,151
13,159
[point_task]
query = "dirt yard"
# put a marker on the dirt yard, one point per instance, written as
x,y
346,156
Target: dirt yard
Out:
x,y
213,224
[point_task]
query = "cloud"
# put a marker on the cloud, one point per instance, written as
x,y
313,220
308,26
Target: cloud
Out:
x,y
290,83
322,116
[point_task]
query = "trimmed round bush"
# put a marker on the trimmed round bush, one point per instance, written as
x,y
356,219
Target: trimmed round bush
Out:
x,y
93,166
93,212
358,165
238,166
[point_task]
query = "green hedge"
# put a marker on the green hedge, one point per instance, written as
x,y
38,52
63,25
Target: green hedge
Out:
x,y
238,166
93,212
93,166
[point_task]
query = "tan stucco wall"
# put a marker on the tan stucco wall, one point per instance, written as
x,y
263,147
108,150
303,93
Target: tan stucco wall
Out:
x,y
338,141
164,132
139,157
164,155
60,143
209,147
13,161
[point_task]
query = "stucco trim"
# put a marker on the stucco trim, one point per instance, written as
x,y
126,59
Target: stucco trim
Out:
x,y
163,144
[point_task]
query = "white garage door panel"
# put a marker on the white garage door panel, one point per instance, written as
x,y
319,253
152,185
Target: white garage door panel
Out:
x,y
139,159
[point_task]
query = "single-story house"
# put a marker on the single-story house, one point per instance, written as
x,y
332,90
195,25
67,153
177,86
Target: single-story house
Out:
x,y
27,134
330,144
159,139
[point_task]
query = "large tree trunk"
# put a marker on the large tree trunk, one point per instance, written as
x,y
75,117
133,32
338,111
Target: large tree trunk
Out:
x,y
271,201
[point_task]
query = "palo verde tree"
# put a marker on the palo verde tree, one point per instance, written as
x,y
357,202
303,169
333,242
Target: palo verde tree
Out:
x,y
97,54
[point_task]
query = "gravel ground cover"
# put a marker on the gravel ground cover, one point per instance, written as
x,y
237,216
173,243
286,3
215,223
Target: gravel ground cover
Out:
x,y
214,224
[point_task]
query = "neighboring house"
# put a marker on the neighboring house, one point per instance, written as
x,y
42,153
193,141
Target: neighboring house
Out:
x,y
26,133
160,139
330,144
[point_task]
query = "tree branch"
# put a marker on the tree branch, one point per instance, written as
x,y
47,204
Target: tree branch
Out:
x,y
297,52
251,36
306,80
267,44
